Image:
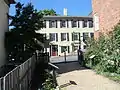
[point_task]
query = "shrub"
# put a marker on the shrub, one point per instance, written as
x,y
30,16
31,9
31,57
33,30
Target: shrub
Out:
x,y
106,50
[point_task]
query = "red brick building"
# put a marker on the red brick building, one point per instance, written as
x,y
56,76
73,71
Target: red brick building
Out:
x,y
106,15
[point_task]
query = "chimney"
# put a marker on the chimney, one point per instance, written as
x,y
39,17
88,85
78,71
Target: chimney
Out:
x,y
65,12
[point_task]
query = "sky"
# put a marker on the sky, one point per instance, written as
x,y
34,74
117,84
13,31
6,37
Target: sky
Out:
x,y
74,7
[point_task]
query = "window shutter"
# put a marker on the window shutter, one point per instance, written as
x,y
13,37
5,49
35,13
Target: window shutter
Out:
x,y
68,49
72,37
56,23
67,36
50,24
50,36
79,37
56,36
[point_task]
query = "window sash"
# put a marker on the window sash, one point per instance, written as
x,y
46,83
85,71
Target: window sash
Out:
x,y
85,36
63,49
63,36
52,36
75,36
74,23
84,23
53,24
90,24
62,23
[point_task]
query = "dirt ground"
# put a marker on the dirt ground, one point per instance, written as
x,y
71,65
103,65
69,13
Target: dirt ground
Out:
x,y
82,78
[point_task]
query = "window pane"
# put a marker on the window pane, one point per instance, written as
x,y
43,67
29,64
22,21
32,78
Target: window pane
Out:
x,y
85,37
90,24
74,23
52,24
75,36
63,36
75,48
84,23
62,23
63,49
92,35
85,47
52,36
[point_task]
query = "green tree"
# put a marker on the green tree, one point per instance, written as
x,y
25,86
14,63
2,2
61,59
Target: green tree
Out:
x,y
47,12
23,37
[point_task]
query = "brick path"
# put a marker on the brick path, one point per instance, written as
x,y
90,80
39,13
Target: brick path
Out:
x,y
85,79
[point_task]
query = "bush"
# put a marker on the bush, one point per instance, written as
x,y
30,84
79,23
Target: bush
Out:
x,y
106,50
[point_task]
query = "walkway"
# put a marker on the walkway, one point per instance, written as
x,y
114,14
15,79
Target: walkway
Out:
x,y
73,77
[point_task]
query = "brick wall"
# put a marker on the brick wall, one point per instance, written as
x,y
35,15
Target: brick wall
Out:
x,y
108,12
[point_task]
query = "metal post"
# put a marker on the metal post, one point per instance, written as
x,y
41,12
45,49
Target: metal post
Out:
x,y
65,56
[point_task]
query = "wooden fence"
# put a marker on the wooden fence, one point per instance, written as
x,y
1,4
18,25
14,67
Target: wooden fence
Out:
x,y
20,77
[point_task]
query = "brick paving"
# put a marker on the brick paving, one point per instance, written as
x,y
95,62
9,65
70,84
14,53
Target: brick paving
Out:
x,y
85,79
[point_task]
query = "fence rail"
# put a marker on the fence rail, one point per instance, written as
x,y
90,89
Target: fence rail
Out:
x,y
20,77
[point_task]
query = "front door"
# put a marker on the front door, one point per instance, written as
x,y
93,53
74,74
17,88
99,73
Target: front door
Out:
x,y
54,50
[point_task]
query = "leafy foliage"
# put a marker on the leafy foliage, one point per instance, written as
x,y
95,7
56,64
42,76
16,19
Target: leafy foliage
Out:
x,y
106,50
49,83
47,12
22,38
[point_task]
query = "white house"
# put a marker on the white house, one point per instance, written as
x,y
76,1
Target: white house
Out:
x,y
67,33
4,10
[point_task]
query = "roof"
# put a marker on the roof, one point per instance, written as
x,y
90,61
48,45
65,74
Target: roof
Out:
x,y
67,17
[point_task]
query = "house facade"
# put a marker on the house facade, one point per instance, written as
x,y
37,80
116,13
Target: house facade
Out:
x,y
4,10
67,33
106,15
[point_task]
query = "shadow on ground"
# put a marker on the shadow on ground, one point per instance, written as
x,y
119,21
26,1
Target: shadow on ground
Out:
x,y
68,67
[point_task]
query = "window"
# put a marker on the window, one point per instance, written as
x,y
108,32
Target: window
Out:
x,y
84,23
90,24
52,24
53,36
62,23
75,36
63,49
74,48
85,46
74,24
85,37
64,36
92,35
